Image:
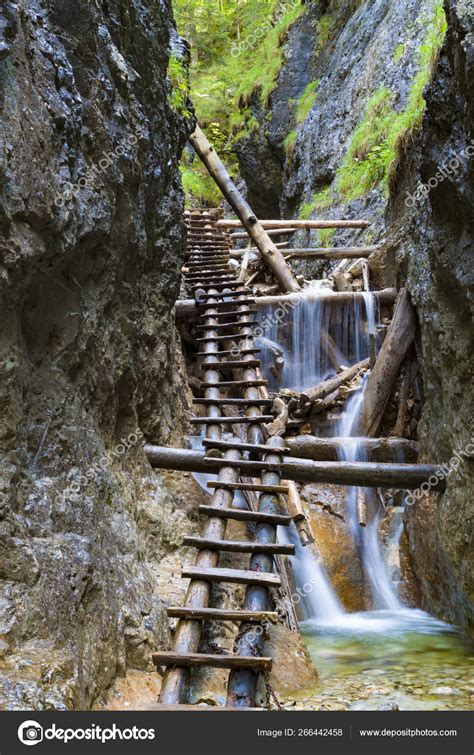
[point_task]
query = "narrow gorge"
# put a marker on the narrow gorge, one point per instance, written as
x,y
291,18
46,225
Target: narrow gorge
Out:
x,y
236,286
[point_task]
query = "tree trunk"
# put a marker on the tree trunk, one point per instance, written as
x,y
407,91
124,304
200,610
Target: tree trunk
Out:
x,y
399,340
327,449
270,254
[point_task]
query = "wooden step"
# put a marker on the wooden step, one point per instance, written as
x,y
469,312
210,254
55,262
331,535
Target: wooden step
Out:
x,y
225,445
223,325
236,384
230,352
220,614
234,284
236,364
233,421
234,401
223,304
208,312
256,486
237,546
189,660
233,576
228,337
243,515
250,466
238,291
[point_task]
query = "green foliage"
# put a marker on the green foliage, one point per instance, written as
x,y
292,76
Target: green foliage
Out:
x,y
199,187
178,76
326,237
306,101
319,202
380,136
289,142
323,31
398,53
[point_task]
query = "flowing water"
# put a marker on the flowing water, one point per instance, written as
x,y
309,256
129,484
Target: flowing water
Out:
x,y
391,656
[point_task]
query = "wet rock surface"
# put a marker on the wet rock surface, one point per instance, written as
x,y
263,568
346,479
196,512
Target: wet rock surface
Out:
x,y
91,245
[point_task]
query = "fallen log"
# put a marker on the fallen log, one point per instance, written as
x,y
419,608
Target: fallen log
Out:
x,y
360,474
335,253
324,389
187,308
270,254
295,508
305,224
398,341
377,449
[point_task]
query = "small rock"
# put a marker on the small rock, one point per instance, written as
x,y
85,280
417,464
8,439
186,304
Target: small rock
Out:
x,y
388,706
442,691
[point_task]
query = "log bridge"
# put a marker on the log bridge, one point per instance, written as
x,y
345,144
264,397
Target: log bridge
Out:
x,y
245,459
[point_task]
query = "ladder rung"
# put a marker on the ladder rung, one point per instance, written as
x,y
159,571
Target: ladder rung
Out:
x,y
250,466
237,546
224,444
220,614
229,352
237,292
232,421
228,337
226,313
215,661
243,515
223,325
234,401
257,487
238,364
236,384
233,576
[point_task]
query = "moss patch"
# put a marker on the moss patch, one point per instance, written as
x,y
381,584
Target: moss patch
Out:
x,y
306,101
323,200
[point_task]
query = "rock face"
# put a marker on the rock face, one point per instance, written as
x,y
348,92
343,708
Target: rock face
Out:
x,y
434,239
90,252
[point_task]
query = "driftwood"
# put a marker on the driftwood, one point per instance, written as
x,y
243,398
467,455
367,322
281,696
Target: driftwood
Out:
x,y
278,426
377,449
270,254
399,340
295,508
303,402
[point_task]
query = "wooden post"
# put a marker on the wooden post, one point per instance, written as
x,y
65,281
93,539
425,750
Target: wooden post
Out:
x,y
270,254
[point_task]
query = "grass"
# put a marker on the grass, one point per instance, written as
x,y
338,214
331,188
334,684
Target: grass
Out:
x,y
398,53
306,101
379,139
323,31
199,187
290,141
323,200
326,237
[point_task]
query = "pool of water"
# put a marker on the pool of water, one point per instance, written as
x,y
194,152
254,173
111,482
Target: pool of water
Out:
x,y
403,660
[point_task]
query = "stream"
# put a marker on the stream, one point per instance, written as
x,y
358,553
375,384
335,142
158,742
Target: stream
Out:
x,y
391,657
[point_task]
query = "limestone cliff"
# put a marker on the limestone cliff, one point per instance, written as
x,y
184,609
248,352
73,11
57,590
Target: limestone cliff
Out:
x,y
91,245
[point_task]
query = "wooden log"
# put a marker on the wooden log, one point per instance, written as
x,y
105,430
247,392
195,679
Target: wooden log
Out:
x,y
187,309
398,341
170,658
237,546
258,487
277,232
296,511
361,508
270,254
327,387
241,515
329,253
377,449
220,614
297,224
233,576
360,474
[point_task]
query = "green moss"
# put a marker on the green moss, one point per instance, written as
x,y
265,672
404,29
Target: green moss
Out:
x,y
178,76
320,201
398,53
306,101
379,138
326,237
289,142
199,187
323,31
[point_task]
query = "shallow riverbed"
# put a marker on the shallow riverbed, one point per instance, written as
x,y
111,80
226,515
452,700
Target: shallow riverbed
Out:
x,y
387,660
